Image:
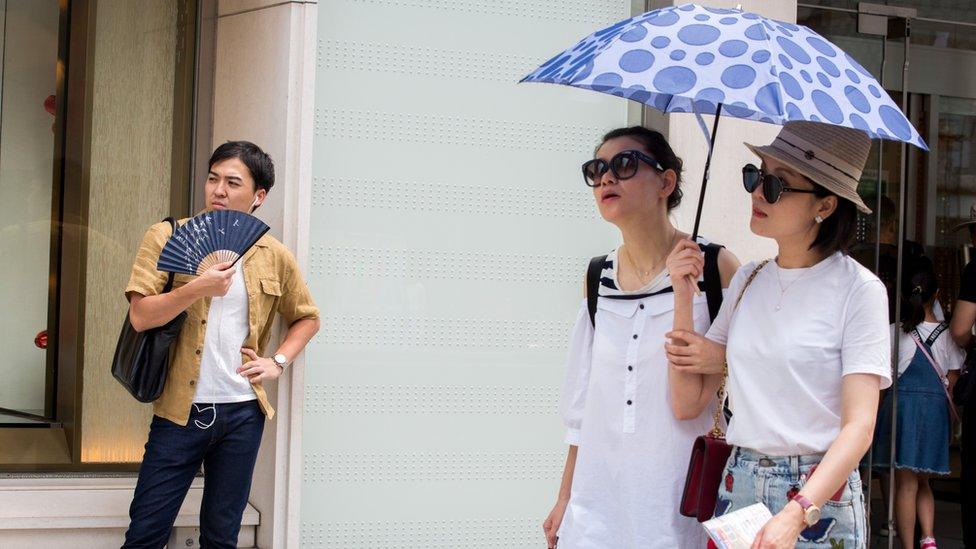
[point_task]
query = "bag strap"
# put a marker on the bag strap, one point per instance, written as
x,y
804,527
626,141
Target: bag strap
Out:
x,y
937,369
169,279
717,430
593,285
713,279
936,333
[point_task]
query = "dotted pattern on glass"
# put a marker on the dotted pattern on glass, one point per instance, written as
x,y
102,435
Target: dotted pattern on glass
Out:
x,y
415,196
400,127
444,264
593,12
474,533
389,59
400,467
496,400
402,331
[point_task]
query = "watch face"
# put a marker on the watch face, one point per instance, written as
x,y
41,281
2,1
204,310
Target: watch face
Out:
x,y
280,359
813,516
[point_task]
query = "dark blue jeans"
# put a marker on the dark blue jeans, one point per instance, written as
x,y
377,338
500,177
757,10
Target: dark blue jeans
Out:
x,y
224,438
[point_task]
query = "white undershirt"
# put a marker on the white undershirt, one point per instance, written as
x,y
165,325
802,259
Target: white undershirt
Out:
x,y
227,328
786,365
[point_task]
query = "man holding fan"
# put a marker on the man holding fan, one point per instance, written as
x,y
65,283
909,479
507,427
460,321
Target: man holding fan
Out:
x,y
212,407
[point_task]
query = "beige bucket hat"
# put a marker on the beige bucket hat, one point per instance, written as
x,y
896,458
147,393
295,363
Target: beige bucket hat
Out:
x,y
831,156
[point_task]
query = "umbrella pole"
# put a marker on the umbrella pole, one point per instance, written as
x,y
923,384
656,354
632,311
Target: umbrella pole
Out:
x,y
708,165
898,280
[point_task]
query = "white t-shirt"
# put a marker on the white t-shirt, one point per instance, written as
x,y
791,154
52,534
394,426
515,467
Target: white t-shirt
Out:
x,y
227,329
944,350
789,350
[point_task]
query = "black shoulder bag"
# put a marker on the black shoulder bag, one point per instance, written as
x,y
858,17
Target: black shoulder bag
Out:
x,y
142,358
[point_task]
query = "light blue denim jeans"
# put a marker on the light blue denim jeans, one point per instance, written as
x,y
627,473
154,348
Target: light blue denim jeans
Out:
x,y
751,477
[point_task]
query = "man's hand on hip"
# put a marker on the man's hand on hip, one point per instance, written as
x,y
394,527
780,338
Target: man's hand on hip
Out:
x,y
258,368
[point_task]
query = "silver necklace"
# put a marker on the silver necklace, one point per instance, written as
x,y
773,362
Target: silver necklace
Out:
x,y
782,290
644,276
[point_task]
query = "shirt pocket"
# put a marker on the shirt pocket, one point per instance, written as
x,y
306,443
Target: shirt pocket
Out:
x,y
270,297
271,287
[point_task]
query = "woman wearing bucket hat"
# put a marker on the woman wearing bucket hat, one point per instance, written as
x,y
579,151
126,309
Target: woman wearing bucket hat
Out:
x,y
806,345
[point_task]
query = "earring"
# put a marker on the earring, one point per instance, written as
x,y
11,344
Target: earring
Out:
x,y
818,219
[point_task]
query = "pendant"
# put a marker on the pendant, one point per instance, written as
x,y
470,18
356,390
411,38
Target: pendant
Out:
x,y
778,307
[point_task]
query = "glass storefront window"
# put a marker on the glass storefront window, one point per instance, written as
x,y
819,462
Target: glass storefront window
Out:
x,y
956,184
939,186
95,145
29,32
945,10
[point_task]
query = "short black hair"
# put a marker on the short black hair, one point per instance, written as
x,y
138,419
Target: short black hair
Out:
x,y
659,148
257,161
837,231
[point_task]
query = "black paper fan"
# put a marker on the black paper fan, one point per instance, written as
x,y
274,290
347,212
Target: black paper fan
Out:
x,y
208,239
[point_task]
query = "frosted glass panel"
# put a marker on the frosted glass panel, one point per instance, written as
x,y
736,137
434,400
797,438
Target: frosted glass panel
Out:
x,y
450,230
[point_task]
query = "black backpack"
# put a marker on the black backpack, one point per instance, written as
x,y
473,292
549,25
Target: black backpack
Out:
x,y
712,283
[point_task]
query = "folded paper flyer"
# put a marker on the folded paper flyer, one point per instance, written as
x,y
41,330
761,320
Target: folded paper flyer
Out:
x,y
737,530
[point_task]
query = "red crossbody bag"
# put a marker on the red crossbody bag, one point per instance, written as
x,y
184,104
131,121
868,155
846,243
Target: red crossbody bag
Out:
x,y
710,452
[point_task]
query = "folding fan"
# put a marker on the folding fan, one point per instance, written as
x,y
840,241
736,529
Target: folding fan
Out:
x,y
208,239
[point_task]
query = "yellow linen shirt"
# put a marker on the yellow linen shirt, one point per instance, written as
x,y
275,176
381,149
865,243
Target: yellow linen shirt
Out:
x,y
274,285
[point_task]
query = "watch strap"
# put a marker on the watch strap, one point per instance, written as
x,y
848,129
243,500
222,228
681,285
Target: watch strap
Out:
x,y
807,506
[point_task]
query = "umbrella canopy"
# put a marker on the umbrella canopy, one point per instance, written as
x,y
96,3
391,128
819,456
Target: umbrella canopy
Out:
x,y
708,60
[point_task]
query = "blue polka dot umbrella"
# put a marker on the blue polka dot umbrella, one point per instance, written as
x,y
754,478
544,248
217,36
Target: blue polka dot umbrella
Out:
x,y
716,61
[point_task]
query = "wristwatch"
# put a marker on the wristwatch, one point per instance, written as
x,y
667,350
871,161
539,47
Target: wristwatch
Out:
x,y
811,513
280,360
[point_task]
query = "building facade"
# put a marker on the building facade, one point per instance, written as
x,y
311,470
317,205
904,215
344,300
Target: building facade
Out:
x,y
435,206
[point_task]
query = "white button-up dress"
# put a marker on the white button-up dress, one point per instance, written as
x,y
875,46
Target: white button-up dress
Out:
x,y
633,454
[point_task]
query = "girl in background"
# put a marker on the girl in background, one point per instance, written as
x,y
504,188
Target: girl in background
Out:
x,y
928,365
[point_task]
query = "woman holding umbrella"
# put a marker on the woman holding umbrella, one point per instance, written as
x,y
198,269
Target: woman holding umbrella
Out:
x,y
625,466
806,341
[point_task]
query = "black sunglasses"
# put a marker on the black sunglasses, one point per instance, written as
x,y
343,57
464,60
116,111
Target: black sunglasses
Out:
x,y
772,187
623,165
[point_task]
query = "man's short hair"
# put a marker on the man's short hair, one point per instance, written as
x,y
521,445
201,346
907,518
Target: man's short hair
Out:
x,y
257,161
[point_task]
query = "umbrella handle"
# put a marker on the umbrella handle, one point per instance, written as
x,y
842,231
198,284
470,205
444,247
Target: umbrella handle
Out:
x,y
708,166
701,194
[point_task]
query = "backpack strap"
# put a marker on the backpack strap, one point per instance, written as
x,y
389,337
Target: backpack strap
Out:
x,y
936,333
936,368
169,280
593,285
713,279
712,283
